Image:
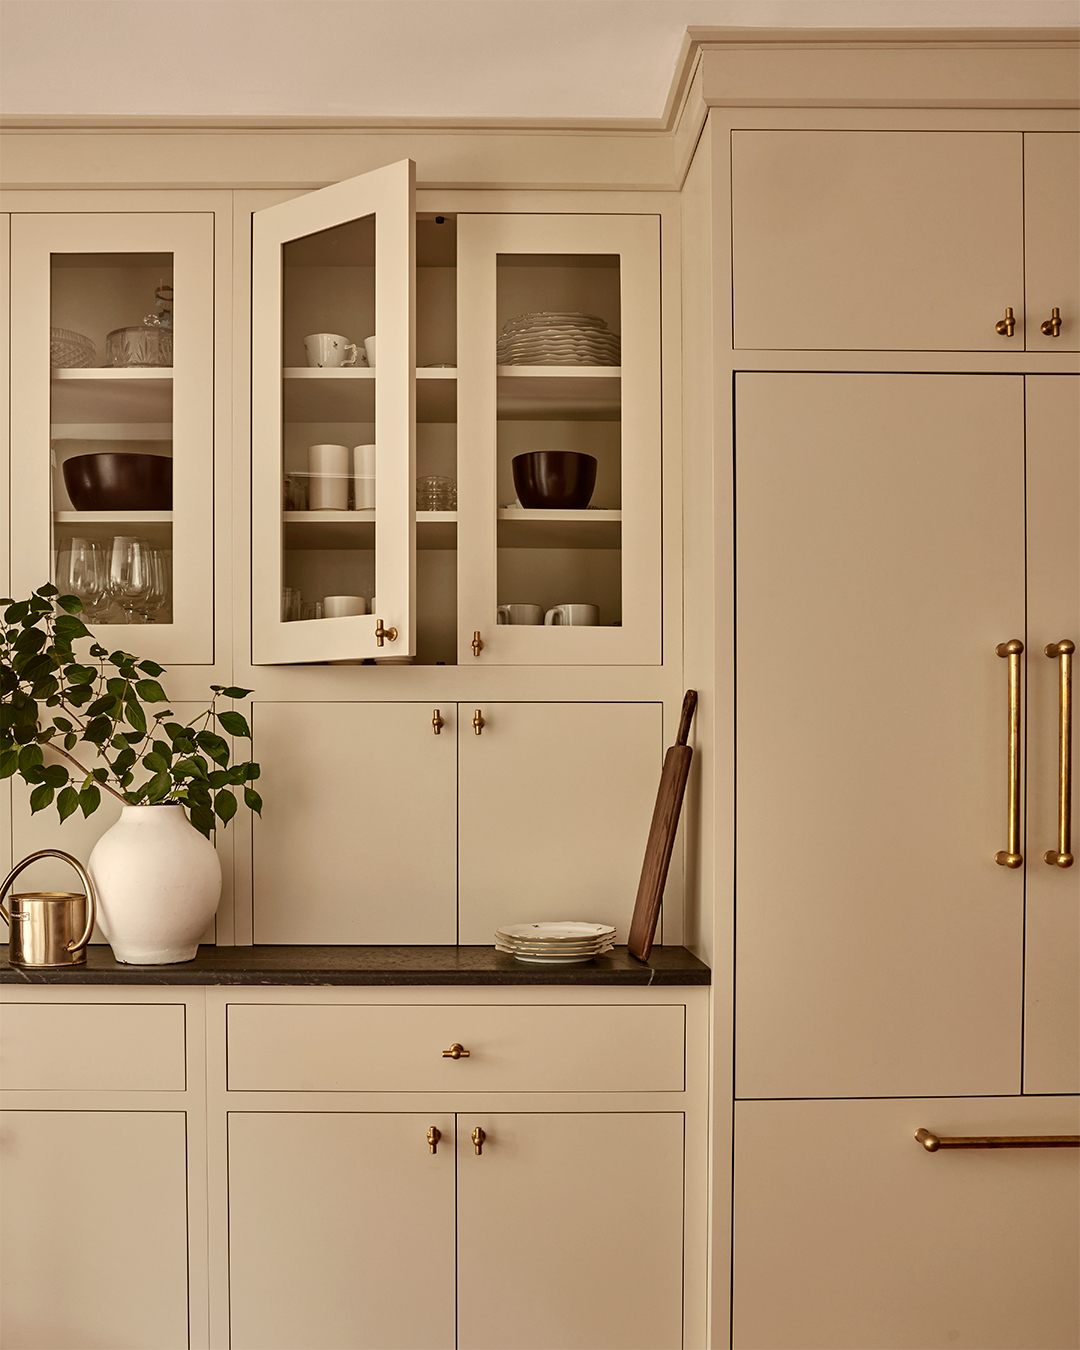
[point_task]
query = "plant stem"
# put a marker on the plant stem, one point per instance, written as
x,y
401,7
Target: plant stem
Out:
x,y
86,772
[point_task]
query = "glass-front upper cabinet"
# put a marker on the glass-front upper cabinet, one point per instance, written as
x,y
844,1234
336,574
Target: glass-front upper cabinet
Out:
x,y
112,423
559,426
333,423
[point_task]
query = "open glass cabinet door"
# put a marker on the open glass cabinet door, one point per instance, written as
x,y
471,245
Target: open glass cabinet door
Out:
x,y
333,422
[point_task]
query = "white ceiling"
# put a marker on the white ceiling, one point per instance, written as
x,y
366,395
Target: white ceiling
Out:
x,y
402,58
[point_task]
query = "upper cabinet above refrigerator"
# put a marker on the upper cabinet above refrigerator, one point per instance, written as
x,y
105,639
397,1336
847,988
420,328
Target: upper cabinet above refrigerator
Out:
x,y
905,241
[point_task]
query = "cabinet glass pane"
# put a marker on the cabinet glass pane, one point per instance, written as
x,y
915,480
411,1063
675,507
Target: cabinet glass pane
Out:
x,y
559,452
111,427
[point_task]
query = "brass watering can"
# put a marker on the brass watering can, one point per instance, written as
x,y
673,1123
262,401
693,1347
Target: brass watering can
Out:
x,y
44,924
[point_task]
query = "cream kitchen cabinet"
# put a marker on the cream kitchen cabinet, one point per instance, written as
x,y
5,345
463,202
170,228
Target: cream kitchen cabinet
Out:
x,y
377,830
904,240
882,950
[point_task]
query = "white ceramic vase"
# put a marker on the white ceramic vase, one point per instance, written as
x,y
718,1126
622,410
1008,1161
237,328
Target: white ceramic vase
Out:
x,y
158,883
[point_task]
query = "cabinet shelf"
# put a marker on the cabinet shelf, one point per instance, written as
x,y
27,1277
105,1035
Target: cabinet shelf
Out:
x,y
559,529
142,394
356,529
153,526
312,395
583,393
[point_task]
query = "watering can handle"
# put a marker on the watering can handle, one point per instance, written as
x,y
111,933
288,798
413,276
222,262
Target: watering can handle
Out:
x,y
91,898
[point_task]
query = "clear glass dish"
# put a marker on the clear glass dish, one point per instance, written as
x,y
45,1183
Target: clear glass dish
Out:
x,y
140,345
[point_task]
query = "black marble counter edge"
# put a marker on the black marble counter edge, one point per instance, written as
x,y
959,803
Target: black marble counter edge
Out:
x,y
369,966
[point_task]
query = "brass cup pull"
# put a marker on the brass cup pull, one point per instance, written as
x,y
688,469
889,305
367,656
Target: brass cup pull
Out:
x,y
477,643
434,1134
1063,651
933,1142
381,633
478,1136
1006,327
478,722
456,1051
1012,857
437,722
1051,327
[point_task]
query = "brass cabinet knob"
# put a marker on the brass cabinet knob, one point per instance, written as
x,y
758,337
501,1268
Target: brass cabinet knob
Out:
x,y
434,1134
478,722
456,1051
1006,326
437,722
477,643
478,1136
382,633
1051,327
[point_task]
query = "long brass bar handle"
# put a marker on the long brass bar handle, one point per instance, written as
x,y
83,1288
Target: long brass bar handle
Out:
x,y
933,1142
1012,857
1062,855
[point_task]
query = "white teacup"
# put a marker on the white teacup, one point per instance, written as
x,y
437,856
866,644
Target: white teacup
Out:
x,y
341,606
580,615
330,350
532,614
369,351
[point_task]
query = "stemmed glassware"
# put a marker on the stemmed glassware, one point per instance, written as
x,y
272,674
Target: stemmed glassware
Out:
x,y
81,571
158,593
131,574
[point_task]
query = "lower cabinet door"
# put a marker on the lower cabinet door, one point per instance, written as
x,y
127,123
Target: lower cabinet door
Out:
x,y
848,1233
93,1230
570,1231
341,1231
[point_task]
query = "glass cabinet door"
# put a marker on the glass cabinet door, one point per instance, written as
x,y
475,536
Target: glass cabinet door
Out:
x,y
333,423
559,428
112,422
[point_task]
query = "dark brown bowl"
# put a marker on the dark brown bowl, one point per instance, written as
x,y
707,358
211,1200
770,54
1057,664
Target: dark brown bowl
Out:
x,y
114,481
548,480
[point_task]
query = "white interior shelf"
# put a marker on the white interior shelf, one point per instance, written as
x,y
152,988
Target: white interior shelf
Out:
x,y
128,394
559,529
153,526
348,394
356,529
584,393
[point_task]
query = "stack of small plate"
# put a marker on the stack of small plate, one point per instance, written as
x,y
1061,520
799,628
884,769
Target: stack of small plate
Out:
x,y
554,944
557,339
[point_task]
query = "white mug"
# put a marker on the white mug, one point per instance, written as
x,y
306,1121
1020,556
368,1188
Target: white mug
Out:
x,y
330,349
586,615
531,614
369,350
363,476
340,606
328,482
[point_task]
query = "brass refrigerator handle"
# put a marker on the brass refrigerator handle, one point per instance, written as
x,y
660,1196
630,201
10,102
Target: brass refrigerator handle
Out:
x,y
933,1142
1011,856
1062,855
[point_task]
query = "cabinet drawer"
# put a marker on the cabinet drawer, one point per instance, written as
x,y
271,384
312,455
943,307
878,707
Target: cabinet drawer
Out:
x,y
288,1048
105,1047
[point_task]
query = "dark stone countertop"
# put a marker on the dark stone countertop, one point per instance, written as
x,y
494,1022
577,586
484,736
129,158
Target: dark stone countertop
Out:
x,y
369,966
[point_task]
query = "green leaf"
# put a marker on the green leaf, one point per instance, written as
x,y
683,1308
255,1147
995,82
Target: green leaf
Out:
x,y
234,723
102,775
124,760
150,691
70,741
55,775
233,692
73,605
106,706
202,818
134,715
30,757
116,686
17,612
154,762
220,778
76,674
62,724
47,589
97,651
164,749
89,800
253,800
225,806
151,668
40,798
67,626
97,730
67,803
215,747
9,762
158,787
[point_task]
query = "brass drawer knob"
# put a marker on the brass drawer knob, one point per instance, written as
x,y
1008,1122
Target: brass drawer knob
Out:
x,y
434,1134
1051,327
478,1136
1006,327
456,1051
381,633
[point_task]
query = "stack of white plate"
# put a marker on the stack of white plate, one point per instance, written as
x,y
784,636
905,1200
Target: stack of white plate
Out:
x,y
555,944
557,339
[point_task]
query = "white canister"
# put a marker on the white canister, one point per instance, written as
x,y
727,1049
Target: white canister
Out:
x,y
363,477
328,483
158,883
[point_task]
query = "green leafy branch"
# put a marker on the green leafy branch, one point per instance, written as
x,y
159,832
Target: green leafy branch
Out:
x,y
92,716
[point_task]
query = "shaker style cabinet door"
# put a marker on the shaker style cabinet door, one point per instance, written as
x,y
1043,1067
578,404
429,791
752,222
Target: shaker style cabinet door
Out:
x,y
849,1235
559,473
1051,229
555,805
879,562
570,1231
356,842
118,375
341,1231
1052,929
333,422
94,1230
877,240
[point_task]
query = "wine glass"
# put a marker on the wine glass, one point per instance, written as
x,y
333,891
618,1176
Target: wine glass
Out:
x,y
80,571
130,574
158,592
